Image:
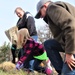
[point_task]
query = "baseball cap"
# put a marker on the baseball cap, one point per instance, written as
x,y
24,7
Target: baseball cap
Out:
x,y
39,5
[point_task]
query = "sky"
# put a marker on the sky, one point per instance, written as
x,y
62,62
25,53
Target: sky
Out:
x,y
9,19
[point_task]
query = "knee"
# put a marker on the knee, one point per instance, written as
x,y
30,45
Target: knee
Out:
x,y
48,43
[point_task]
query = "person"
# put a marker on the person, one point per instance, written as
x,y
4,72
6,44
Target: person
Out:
x,y
26,20
13,51
32,50
60,16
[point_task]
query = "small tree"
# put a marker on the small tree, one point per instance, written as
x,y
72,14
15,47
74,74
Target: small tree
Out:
x,y
4,52
44,34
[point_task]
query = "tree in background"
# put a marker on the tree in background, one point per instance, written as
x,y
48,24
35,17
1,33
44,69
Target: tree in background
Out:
x,y
44,33
5,52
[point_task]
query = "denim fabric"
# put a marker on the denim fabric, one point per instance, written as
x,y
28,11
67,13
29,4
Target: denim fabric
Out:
x,y
31,62
66,70
35,37
53,48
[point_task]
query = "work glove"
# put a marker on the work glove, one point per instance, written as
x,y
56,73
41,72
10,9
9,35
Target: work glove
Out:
x,y
19,65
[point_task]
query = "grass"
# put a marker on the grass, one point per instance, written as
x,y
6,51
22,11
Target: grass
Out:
x,y
15,72
19,73
8,68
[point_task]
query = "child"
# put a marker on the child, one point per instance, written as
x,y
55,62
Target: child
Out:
x,y
32,50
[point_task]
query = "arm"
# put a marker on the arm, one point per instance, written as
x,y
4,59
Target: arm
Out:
x,y
26,54
27,51
18,23
31,25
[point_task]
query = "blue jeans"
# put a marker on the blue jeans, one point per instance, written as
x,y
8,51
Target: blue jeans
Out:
x,y
66,70
35,37
53,48
31,62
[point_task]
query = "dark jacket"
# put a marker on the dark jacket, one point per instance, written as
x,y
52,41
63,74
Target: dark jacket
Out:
x,y
60,17
27,21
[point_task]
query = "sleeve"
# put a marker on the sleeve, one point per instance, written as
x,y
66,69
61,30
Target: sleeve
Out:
x,y
63,19
31,25
27,51
17,24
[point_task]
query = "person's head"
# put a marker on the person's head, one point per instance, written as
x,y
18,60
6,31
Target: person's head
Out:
x,y
42,6
22,37
19,12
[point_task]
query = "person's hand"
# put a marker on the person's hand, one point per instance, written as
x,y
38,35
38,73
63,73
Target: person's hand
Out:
x,y
70,60
18,65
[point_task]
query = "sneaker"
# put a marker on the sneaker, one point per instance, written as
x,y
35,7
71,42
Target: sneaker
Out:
x,y
48,71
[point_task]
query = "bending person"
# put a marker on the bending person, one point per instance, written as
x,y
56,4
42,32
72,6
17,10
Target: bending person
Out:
x,y
32,50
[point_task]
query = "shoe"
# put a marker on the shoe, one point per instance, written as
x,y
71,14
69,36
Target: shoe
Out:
x,y
48,71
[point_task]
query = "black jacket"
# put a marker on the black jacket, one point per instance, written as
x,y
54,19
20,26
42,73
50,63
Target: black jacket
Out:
x,y
27,21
